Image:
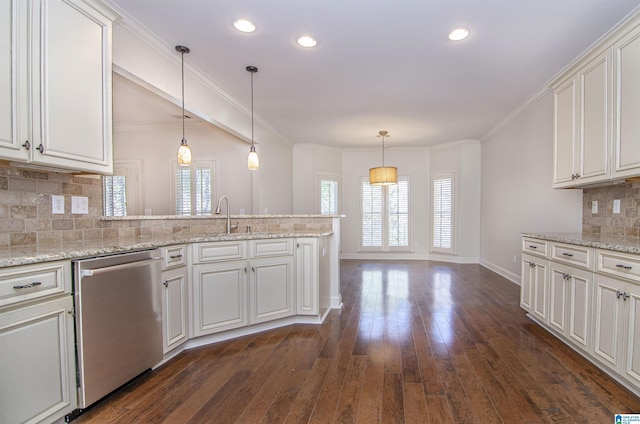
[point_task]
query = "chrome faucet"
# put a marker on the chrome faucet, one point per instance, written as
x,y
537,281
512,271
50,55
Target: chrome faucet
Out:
x,y
218,211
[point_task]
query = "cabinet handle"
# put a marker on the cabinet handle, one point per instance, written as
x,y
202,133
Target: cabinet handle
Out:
x,y
623,266
245,269
26,145
175,256
533,247
28,286
568,254
166,283
618,294
40,148
566,276
298,245
532,265
253,269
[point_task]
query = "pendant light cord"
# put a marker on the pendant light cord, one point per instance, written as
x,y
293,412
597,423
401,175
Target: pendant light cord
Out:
x,y
183,97
383,151
252,147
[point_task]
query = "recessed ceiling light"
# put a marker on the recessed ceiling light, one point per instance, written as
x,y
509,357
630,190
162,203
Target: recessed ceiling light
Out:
x,y
244,25
306,41
458,34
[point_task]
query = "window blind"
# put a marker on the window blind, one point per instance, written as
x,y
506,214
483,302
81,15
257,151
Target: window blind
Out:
x,y
114,189
328,197
443,212
182,190
399,214
371,215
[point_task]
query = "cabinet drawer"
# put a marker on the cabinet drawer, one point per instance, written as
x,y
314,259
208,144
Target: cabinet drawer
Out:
x,y
219,251
579,256
619,264
28,282
271,247
173,256
535,246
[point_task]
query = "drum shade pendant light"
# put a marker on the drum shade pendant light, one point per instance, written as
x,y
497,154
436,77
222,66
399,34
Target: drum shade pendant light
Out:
x,y
184,151
253,161
383,175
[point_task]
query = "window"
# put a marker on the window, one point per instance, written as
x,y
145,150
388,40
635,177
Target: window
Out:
x,y
121,191
384,216
443,212
193,188
329,192
114,192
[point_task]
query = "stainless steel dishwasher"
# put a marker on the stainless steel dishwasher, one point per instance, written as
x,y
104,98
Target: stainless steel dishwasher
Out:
x,y
118,321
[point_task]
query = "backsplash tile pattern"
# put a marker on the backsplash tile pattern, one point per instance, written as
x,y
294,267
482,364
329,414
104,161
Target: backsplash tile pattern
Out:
x,y
605,222
26,218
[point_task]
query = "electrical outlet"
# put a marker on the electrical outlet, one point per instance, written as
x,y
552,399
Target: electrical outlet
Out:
x,y
594,207
79,205
616,206
57,204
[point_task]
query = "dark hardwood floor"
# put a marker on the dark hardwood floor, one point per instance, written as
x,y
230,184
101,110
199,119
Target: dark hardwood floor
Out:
x,y
416,342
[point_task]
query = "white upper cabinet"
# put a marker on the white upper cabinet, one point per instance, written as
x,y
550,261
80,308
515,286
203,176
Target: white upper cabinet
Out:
x,y
627,102
582,122
55,84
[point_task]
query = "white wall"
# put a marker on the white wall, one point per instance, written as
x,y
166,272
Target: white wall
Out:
x,y
138,56
156,147
517,163
463,158
309,160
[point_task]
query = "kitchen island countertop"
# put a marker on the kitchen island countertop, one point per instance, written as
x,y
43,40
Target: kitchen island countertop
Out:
x,y
23,255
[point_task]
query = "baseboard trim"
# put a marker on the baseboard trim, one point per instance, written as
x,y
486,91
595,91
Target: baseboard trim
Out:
x,y
514,278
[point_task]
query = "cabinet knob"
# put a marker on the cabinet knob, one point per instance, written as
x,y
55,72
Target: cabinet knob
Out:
x,y
40,148
166,283
26,145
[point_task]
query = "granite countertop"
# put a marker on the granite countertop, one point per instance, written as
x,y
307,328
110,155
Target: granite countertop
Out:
x,y
616,243
23,255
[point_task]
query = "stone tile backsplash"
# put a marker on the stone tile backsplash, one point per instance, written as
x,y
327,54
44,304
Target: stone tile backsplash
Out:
x,y
605,222
26,218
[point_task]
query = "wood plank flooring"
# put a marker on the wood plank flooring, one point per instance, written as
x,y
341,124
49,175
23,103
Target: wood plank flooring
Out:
x,y
416,342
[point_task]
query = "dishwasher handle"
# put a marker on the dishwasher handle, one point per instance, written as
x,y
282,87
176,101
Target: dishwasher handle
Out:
x,y
98,271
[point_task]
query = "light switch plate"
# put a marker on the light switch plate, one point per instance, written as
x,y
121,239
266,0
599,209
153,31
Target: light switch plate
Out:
x,y
79,205
57,204
594,207
616,206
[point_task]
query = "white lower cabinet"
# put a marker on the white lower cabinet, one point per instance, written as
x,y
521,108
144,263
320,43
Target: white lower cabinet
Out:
x,y
271,290
534,295
617,326
174,308
219,297
37,366
307,275
570,297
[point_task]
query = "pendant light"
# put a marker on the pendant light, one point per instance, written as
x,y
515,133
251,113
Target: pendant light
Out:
x,y
383,175
184,151
253,161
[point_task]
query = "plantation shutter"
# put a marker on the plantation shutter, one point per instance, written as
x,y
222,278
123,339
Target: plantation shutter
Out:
x,y
203,191
399,214
329,197
114,195
371,215
182,190
443,212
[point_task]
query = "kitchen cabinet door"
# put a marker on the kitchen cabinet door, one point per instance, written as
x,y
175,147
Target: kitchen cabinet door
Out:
x,y
14,93
627,102
71,86
540,288
632,358
219,297
608,334
307,276
565,133
271,291
580,301
37,366
558,304
174,308
526,291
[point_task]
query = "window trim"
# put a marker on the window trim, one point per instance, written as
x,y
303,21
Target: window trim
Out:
x,y
440,176
385,220
327,177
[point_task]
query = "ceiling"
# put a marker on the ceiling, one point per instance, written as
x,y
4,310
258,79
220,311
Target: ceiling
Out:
x,y
380,64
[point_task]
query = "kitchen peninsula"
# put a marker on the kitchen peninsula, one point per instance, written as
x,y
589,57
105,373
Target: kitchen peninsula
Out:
x,y
278,270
